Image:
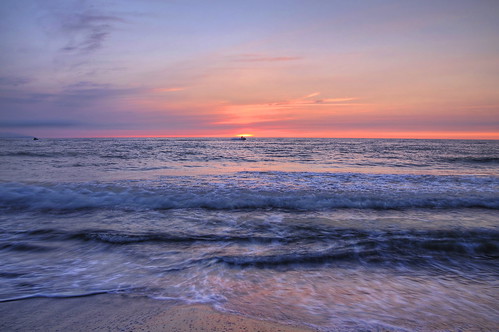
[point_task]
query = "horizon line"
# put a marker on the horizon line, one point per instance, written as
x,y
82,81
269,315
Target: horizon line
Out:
x,y
251,137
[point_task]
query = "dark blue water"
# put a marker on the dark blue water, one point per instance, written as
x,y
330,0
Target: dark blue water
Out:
x,y
394,234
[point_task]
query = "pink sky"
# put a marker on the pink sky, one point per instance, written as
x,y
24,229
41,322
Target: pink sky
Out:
x,y
408,69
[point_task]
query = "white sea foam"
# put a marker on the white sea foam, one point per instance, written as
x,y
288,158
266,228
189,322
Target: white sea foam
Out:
x,y
295,191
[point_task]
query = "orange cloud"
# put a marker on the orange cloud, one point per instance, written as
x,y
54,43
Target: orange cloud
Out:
x,y
315,102
252,114
169,89
335,100
312,95
277,111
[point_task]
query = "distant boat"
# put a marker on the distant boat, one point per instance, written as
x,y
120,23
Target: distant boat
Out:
x,y
35,139
242,138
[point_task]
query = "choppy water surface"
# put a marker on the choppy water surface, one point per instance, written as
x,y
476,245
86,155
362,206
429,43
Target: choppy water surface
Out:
x,y
394,234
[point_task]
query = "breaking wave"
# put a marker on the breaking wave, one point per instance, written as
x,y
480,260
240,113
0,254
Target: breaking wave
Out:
x,y
299,246
309,197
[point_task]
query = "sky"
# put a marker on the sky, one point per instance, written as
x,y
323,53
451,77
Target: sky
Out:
x,y
281,68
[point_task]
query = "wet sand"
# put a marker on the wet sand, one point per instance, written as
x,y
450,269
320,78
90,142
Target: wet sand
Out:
x,y
124,313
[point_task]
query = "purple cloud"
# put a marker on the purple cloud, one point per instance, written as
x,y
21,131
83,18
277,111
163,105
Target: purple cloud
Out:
x,y
13,81
87,31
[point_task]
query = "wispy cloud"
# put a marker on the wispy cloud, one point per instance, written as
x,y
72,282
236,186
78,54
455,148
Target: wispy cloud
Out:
x,y
311,101
264,58
87,31
334,100
313,94
87,105
175,89
41,124
76,101
14,80
286,110
86,85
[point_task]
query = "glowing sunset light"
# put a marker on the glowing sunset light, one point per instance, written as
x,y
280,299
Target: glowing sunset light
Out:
x,y
168,89
327,68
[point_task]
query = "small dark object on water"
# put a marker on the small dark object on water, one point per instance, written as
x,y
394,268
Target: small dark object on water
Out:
x,y
35,139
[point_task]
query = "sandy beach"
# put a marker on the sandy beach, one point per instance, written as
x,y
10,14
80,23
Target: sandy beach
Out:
x,y
124,313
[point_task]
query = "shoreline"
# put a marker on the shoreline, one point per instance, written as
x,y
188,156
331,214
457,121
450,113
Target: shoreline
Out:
x,y
113,312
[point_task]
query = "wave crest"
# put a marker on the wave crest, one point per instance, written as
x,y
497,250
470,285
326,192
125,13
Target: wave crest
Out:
x,y
78,197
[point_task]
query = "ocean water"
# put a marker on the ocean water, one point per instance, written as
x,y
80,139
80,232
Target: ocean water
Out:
x,y
330,233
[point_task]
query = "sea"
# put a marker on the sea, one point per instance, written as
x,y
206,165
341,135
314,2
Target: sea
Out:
x,y
333,234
